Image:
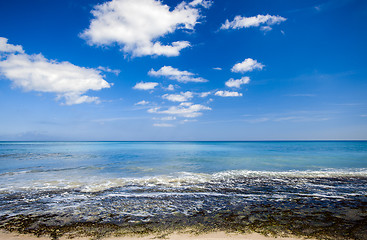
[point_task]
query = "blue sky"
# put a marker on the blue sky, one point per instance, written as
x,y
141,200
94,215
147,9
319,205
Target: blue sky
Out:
x,y
173,70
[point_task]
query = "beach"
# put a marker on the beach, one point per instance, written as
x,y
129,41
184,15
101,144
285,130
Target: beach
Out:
x,y
166,189
208,236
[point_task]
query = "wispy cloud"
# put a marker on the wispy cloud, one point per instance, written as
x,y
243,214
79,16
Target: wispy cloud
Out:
x,y
170,88
204,94
163,125
301,95
115,119
188,120
255,21
227,94
257,120
107,69
169,118
143,102
203,3
296,116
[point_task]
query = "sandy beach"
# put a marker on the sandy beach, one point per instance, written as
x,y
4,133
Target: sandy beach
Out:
x,y
176,236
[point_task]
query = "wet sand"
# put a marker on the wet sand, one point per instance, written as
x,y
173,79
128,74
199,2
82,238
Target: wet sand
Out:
x,y
176,236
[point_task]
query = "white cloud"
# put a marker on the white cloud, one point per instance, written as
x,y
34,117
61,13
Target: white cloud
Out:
x,y
143,102
175,74
182,97
255,21
170,87
169,118
107,69
266,28
36,73
248,65
237,82
163,125
204,94
136,25
217,68
228,94
9,48
203,3
191,111
188,120
186,104
145,85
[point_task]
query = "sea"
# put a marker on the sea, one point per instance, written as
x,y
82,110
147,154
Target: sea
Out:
x,y
304,188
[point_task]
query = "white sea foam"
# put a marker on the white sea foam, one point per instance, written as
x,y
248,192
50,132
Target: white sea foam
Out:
x,y
178,180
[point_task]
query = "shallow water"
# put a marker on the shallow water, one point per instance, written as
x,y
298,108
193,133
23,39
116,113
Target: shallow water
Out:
x,y
235,186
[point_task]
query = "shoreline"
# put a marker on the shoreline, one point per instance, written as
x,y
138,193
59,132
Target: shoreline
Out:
x,y
4,235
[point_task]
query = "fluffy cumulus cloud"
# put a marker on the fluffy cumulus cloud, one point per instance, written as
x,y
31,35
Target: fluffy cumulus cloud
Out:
x,y
145,85
228,94
248,65
236,83
182,97
137,25
260,20
183,110
36,73
175,74
9,48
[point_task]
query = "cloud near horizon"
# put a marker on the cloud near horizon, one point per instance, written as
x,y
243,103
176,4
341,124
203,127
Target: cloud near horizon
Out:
x,y
36,73
137,25
187,110
163,125
142,102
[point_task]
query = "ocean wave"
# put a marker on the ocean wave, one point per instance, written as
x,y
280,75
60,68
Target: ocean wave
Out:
x,y
186,180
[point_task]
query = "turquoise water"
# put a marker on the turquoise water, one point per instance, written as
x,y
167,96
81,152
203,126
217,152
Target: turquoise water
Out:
x,y
90,165
138,159
110,181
